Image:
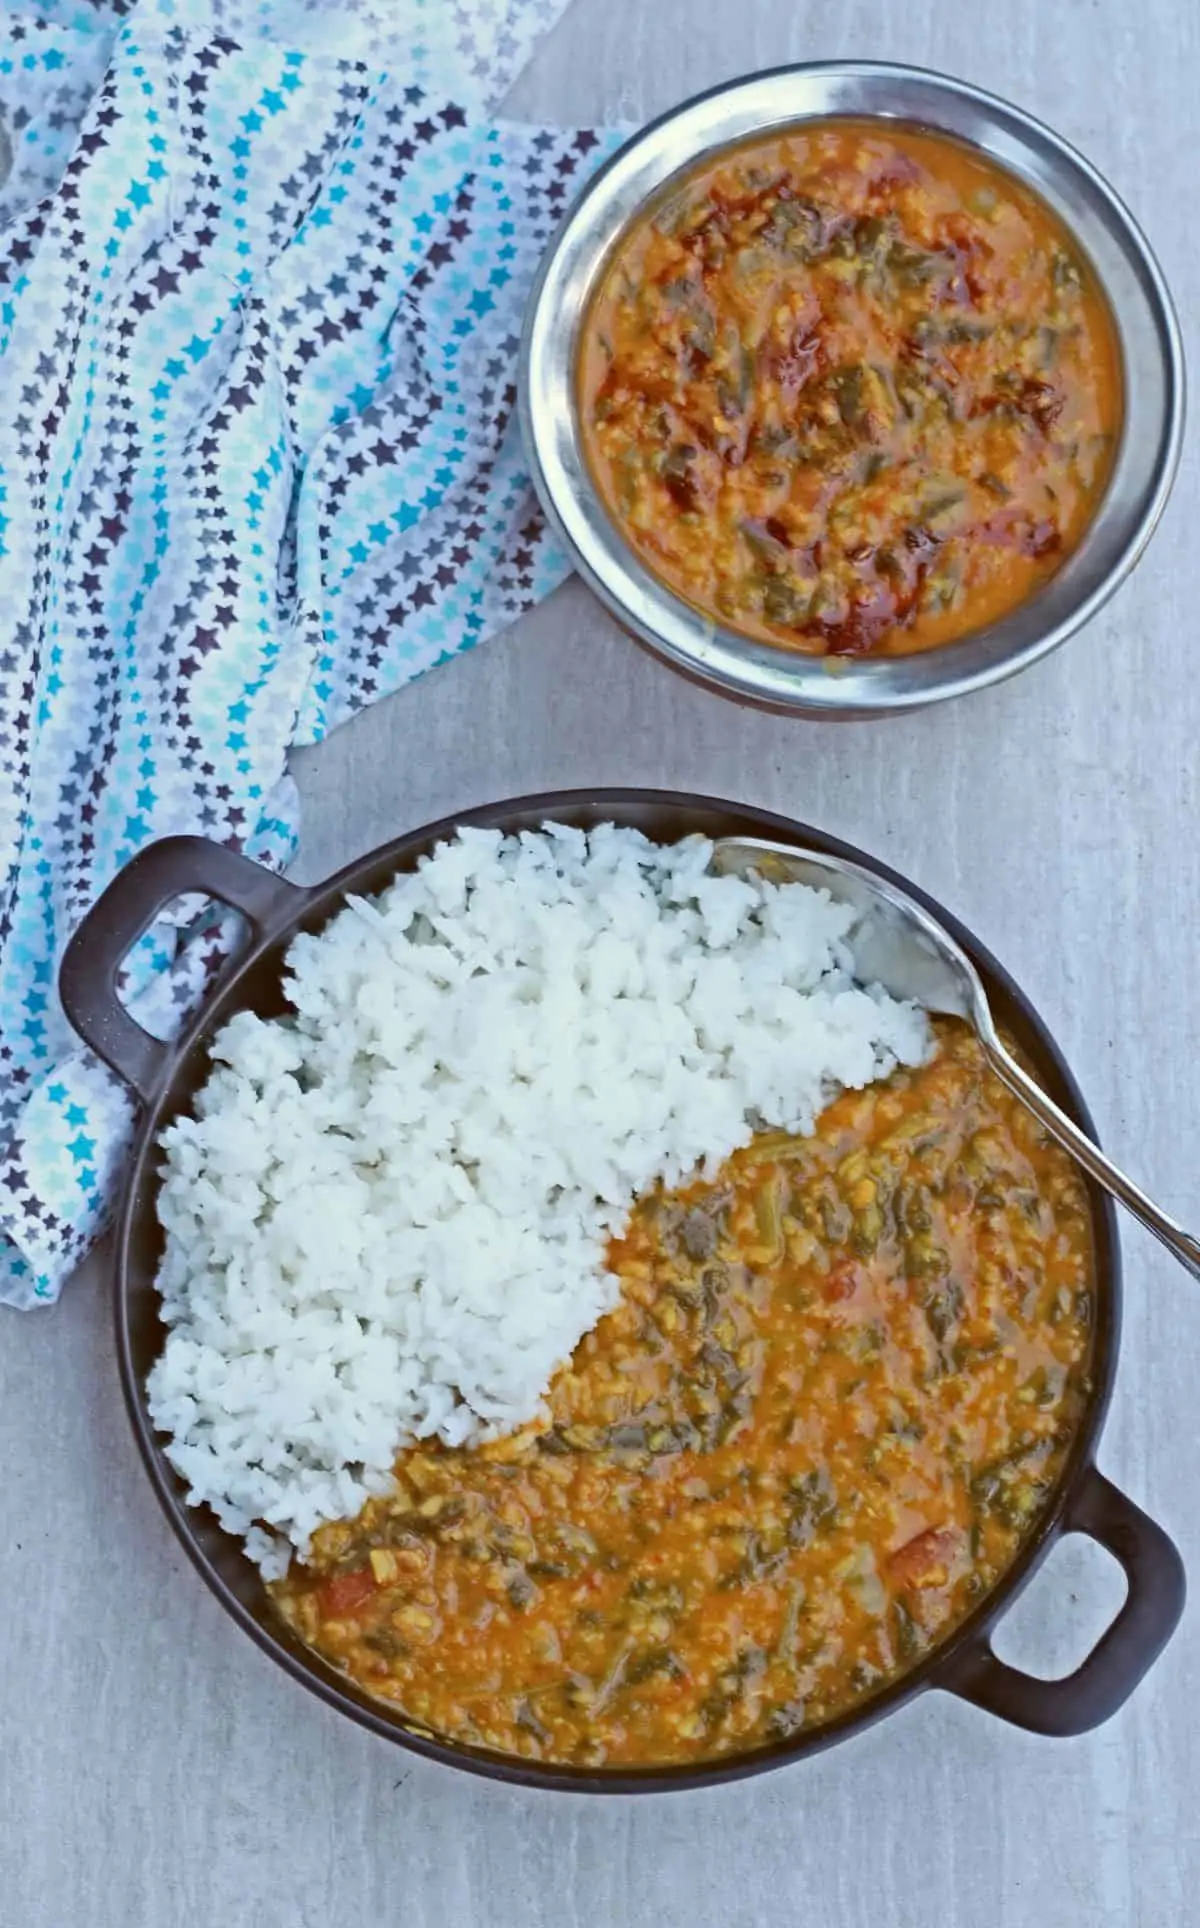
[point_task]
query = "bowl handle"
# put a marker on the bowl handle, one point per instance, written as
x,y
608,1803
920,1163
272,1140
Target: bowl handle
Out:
x,y
1125,1651
87,981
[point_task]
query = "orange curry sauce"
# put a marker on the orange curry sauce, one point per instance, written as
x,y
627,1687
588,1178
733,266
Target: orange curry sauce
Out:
x,y
831,1403
851,391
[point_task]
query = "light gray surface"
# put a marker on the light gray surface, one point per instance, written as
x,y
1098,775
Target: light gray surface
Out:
x,y
155,1771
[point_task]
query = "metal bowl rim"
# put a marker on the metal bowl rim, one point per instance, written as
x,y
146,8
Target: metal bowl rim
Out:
x,y
755,672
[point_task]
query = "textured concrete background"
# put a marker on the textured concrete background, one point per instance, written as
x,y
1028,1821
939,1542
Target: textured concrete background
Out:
x,y
156,1771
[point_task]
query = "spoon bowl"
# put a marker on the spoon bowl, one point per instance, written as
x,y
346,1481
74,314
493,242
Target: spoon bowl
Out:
x,y
898,944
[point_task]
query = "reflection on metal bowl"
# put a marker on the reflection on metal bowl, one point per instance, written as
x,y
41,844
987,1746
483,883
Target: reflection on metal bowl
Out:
x,y
759,671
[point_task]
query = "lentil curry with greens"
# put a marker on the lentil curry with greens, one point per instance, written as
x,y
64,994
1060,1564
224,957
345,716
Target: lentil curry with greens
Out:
x,y
851,390
836,1391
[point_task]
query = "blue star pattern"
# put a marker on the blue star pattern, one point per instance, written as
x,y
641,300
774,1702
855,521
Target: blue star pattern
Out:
x,y
262,268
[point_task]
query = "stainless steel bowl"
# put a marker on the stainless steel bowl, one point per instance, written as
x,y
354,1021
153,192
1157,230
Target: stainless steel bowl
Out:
x,y
1152,354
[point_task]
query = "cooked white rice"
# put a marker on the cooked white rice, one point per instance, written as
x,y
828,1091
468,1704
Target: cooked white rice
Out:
x,y
387,1219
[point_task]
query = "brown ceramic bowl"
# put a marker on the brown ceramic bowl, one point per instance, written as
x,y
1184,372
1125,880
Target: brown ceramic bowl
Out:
x,y
165,1078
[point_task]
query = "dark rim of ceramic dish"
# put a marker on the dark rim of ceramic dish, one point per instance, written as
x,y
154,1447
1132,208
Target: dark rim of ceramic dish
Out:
x,y
165,1078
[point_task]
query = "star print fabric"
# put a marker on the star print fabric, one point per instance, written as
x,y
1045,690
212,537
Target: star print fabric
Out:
x,y
262,270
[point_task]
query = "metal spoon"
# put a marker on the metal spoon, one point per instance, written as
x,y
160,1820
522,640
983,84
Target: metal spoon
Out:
x,y
898,944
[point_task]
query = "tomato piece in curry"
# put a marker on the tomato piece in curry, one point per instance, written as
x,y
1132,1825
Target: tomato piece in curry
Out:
x,y
832,1401
851,390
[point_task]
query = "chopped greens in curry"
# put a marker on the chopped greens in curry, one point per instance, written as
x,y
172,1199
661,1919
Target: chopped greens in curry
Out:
x,y
851,390
832,1400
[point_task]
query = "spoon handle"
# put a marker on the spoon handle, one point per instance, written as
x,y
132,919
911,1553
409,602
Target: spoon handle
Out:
x,y
1182,1244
